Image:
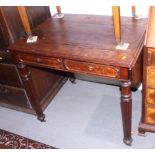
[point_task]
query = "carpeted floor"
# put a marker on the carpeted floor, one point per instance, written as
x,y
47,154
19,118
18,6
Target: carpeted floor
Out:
x,y
82,115
10,140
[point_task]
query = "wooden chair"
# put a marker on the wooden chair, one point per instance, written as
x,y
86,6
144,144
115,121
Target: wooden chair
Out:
x,y
116,21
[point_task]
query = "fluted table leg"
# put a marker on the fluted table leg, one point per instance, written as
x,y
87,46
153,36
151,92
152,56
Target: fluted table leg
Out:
x,y
126,108
28,84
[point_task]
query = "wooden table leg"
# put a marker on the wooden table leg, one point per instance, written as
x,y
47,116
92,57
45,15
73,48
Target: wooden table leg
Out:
x,y
24,19
58,8
117,23
126,108
72,78
28,84
133,8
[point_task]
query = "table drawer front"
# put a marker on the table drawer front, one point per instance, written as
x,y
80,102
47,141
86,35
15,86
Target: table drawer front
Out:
x,y
102,70
42,61
150,96
150,115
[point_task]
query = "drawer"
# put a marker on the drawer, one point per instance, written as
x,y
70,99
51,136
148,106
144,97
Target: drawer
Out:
x,y
150,115
150,96
150,76
42,61
151,57
102,70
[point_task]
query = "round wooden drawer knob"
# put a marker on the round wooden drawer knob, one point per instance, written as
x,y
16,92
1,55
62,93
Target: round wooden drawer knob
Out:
x,y
90,68
39,60
59,60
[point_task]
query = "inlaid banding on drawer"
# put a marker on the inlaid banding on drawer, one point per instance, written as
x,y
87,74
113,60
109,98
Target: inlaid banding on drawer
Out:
x,y
42,61
102,70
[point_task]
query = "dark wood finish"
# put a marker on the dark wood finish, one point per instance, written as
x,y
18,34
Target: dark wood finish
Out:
x,y
46,83
13,80
91,40
14,93
27,80
42,61
126,106
85,44
136,77
37,15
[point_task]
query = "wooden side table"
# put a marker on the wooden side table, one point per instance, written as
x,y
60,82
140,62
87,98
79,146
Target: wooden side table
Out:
x,y
85,44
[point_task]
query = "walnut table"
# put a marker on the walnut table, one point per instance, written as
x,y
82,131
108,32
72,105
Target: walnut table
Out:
x,y
85,44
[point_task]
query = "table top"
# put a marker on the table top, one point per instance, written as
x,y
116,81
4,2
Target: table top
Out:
x,y
88,38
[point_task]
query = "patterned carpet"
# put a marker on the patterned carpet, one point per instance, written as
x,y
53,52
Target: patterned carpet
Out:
x,y
12,141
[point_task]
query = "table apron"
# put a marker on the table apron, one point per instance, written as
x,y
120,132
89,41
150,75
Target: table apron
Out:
x,y
100,70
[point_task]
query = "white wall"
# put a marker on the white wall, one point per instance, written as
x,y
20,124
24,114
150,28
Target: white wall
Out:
x,y
99,7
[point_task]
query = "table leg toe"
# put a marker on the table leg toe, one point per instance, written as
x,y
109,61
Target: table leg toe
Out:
x,y
41,118
128,141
